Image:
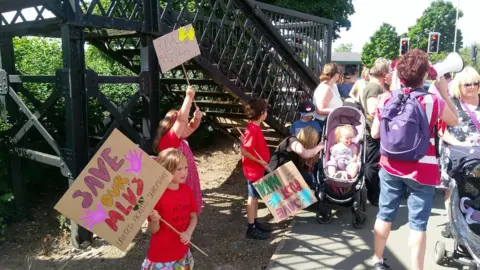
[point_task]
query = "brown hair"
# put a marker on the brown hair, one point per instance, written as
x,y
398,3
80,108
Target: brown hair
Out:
x,y
412,67
255,108
163,127
329,71
309,138
170,159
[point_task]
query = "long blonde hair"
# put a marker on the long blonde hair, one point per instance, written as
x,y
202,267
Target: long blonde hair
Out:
x,y
309,138
170,159
163,127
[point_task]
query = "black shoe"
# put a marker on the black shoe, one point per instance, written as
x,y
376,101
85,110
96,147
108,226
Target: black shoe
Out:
x,y
257,234
381,266
263,227
447,231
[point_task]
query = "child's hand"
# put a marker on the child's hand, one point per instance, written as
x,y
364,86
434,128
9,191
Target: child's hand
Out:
x,y
185,237
190,91
265,165
197,114
154,216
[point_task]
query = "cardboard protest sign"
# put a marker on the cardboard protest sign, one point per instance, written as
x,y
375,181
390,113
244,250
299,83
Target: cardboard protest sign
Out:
x,y
176,48
116,191
285,192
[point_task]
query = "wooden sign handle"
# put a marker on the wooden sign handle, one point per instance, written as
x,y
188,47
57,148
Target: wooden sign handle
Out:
x,y
177,232
258,155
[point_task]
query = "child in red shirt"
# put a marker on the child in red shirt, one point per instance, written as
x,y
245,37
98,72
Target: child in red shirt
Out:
x,y
177,206
254,165
173,131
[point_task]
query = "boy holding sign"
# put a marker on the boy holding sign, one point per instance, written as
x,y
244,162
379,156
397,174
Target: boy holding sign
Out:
x,y
255,157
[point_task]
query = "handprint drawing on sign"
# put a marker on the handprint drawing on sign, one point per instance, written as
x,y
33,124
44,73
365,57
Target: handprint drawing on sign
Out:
x,y
92,217
275,200
183,34
305,196
135,161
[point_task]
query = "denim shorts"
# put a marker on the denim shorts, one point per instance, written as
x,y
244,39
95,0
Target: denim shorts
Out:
x,y
252,192
420,200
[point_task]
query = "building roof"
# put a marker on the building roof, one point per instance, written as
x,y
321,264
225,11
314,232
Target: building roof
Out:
x,y
346,58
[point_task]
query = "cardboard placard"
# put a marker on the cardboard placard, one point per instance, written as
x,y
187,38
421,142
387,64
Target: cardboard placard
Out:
x,y
176,48
113,196
285,192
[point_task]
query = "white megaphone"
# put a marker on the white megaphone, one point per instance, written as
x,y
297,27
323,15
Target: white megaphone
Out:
x,y
453,63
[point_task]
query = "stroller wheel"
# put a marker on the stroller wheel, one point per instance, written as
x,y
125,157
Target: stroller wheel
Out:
x,y
440,253
324,216
358,220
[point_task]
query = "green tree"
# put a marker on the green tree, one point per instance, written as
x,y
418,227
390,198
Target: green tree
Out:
x,y
439,17
383,43
344,47
336,10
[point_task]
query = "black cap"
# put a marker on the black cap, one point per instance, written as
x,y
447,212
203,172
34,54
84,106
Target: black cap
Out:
x,y
307,108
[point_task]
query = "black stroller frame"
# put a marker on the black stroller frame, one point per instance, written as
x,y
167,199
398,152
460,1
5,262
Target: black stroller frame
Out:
x,y
466,249
356,197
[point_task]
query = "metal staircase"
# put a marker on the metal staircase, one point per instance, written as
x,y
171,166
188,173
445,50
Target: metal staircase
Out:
x,y
247,49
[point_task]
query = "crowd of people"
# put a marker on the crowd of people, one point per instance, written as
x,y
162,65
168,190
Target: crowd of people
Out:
x,y
452,115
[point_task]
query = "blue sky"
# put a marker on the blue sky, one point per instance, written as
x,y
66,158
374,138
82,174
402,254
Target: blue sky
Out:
x,y
370,14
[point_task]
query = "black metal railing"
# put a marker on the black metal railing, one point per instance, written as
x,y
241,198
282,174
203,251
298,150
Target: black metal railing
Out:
x,y
310,36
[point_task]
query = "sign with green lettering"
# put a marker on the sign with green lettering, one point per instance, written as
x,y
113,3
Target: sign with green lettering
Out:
x,y
285,192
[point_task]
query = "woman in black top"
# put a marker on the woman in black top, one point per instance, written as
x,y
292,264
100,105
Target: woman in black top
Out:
x,y
302,150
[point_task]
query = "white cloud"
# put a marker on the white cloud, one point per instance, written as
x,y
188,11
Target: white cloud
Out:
x,y
370,14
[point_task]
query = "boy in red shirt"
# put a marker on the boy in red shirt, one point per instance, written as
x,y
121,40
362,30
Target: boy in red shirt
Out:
x,y
255,157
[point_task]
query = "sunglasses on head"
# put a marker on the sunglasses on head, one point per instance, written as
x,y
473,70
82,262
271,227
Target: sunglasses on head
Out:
x,y
471,84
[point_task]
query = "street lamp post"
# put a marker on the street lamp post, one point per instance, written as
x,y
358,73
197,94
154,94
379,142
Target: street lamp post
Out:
x,y
456,27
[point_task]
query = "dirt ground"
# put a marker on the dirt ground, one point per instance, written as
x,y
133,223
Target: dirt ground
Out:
x,y
41,244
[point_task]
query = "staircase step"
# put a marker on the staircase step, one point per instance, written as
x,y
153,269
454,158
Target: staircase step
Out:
x,y
184,81
205,93
220,105
225,115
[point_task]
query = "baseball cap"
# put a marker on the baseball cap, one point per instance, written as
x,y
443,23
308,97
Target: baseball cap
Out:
x,y
306,108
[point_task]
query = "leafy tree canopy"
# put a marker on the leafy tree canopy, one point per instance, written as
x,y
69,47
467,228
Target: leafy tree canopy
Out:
x,y
383,43
344,47
336,10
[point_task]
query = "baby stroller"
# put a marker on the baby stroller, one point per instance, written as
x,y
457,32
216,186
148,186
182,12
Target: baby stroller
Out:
x,y
343,192
464,168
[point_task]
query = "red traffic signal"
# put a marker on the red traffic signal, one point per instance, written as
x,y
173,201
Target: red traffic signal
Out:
x,y
404,45
433,42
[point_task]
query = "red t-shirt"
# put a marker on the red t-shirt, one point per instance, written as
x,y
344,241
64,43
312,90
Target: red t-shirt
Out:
x,y
169,140
254,139
175,207
426,170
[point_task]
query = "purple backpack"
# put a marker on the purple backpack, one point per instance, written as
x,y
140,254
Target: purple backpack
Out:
x,y
404,127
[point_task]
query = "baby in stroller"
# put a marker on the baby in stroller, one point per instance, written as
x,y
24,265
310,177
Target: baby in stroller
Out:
x,y
343,161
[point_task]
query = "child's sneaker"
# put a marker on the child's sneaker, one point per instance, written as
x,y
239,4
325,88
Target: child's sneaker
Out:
x,y
257,234
263,227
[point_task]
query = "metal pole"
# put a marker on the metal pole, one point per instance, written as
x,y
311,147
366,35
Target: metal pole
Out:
x,y
456,27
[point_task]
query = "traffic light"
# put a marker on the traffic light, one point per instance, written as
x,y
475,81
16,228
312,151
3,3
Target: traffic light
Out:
x,y
404,45
473,53
433,42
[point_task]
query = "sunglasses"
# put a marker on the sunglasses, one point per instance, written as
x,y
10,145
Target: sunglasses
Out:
x,y
471,84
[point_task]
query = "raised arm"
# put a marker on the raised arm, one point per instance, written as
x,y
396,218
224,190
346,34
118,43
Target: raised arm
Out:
x,y
182,117
193,124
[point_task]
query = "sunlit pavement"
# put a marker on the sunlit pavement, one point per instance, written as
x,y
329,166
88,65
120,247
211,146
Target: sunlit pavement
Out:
x,y
338,245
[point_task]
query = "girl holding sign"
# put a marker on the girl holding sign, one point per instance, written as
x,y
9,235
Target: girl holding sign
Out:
x,y
175,212
173,131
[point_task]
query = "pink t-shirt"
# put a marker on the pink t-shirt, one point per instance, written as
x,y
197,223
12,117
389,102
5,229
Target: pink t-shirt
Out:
x,y
426,170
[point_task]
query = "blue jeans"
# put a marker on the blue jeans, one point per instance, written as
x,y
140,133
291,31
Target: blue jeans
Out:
x,y
252,192
419,202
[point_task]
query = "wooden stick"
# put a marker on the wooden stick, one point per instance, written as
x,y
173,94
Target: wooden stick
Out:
x,y
188,82
175,230
269,170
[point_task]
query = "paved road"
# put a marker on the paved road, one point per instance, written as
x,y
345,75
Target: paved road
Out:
x,y
338,245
